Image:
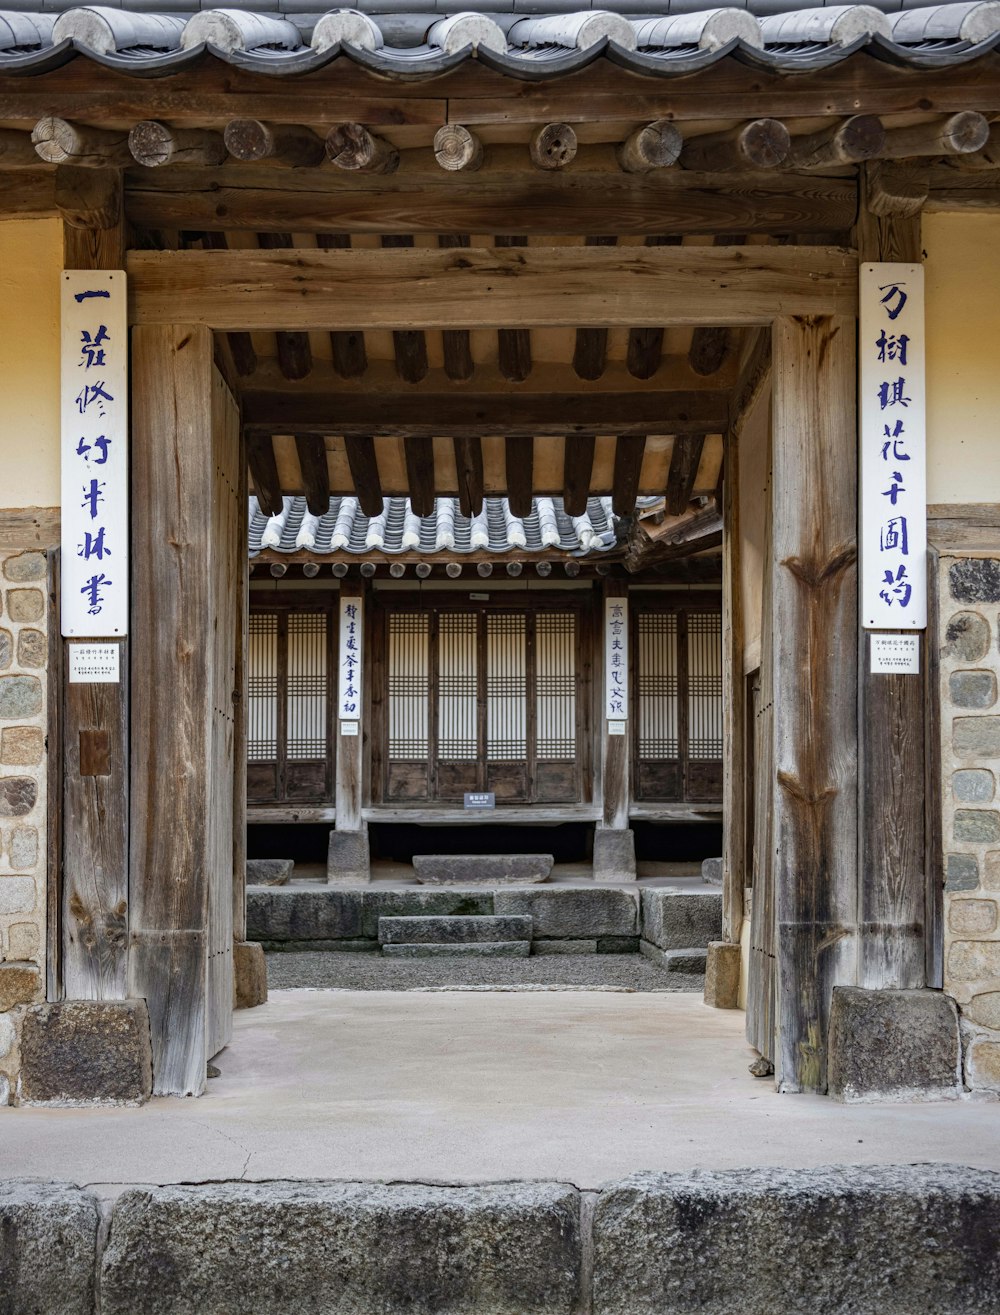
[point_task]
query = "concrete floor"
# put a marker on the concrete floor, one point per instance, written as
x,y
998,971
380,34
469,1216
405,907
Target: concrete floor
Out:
x,y
466,1087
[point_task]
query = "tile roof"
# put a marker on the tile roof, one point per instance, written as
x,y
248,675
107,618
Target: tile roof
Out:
x,y
345,528
527,39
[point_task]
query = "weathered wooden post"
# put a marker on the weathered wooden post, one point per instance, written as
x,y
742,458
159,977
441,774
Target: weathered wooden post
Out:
x,y
614,843
348,857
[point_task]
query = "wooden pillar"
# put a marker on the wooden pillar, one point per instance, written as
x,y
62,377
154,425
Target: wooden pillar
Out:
x,y
891,750
815,628
95,745
186,489
614,848
348,858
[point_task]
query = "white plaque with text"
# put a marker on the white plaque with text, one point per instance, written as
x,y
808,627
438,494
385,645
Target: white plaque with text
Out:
x,y
351,655
94,664
895,655
616,659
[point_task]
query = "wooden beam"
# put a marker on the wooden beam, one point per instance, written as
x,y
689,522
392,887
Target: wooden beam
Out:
x,y
289,145
594,196
703,410
519,458
418,451
264,473
294,349
89,198
684,461
17,150
350,359
59,142
513,345
28,193
311,450
469,468
364,472
352,147
710,346
654,146
455,343
897,190
691,533
482,287
959,134
815,630
553,147
153,144
590,355
645,346
629,451
760,144
861,137
410,345
241,346
578,467
456,148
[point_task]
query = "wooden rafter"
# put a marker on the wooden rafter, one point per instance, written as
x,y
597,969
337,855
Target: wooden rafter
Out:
x,y
350,358
513,345
469,466
410,345
629,451
710,346
519,457
684,462
364,472
311,451
578,466
418,451
590,355
455,343
264,472
294,350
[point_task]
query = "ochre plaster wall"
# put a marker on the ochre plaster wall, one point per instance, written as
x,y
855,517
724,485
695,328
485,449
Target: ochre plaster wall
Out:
x,y
962,273
30,263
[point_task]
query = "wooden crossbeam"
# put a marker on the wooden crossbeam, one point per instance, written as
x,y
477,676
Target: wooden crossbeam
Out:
x,y
409,345
294,349
590,354
513,345
350,359
483,287
455,343
241,346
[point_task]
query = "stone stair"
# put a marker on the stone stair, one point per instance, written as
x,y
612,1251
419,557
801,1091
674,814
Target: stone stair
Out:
x,y
677,928
474,935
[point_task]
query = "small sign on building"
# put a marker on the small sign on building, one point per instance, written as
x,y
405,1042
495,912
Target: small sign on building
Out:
x,y
352,629
94,411
895,655
892,457
480,799
616,658
94,664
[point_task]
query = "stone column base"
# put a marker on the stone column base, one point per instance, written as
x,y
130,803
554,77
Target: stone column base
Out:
x,y
348,862
722,975
249,975
893,1046
85,1052
614,854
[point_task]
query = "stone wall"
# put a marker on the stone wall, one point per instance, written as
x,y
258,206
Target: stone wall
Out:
x,y
24,622
969,592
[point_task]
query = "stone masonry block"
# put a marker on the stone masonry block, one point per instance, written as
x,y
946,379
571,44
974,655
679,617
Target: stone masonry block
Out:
x,y
490,869
470,950
722,975
972,917
8,1036
573,912
973,961
48,1249
976,826
893,1045
614,855
973,689
32,648
991,869
23,847
348,860
18,795
283,913
250,973
435,930
6,649
974,786
17,895
20,697
983,1068
961,872
21,746
24,940
25,604
269,871
976,737
673,920
967,637
975,580
417,902
86,1052
25,566
344,1249
20,983
849,1240
984,1009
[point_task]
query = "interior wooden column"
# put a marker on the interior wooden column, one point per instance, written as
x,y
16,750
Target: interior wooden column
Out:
x,y
186,489
95,746
892,775
815,629
348,859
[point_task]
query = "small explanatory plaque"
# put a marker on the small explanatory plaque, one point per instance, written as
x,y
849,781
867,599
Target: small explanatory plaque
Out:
x,y
480,799
897,655
94,664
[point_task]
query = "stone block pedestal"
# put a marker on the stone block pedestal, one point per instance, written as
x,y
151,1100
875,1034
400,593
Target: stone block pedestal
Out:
x,y
86,1052
250,974
893,1046
348,861
614,854
722,975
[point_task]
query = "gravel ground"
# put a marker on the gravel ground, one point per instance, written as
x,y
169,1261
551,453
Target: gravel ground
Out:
x,y
371,972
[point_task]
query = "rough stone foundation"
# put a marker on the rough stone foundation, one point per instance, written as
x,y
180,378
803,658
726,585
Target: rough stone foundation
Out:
x,y
24,640
969,633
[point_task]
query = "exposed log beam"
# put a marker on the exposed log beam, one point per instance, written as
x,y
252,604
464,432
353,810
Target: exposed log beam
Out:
x,y
352,147
410,345
456,344
595,197
578,467
153,144
350,358
987,157
294,349
959,134
696,532
858,138
645,346
553,147
418,451
60,142
89,198
629,451
590,354
364,473
655,146
513,345
760,144
684,461
469,467
285,144
527,414
480,287
710,346
456,148
311,450
241,346
519,457
264,473
896,190
17,150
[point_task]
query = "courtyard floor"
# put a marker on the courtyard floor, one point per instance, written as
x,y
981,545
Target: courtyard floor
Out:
x,y
453,1086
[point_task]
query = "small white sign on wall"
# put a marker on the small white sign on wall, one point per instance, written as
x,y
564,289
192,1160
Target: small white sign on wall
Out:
x,y
895,655
94,664
94,411
892,423
616,659
352,630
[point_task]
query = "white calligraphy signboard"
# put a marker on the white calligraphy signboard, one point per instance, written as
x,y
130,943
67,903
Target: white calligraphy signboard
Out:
x,y
94,402
893,463
351,658
616,658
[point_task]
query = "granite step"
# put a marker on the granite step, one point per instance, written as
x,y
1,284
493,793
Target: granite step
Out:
x,y
454,929
692,960
463,949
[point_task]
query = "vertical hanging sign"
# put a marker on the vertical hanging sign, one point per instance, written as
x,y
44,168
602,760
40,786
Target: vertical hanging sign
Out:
x,y
893,451
615,659
351,656
94,384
